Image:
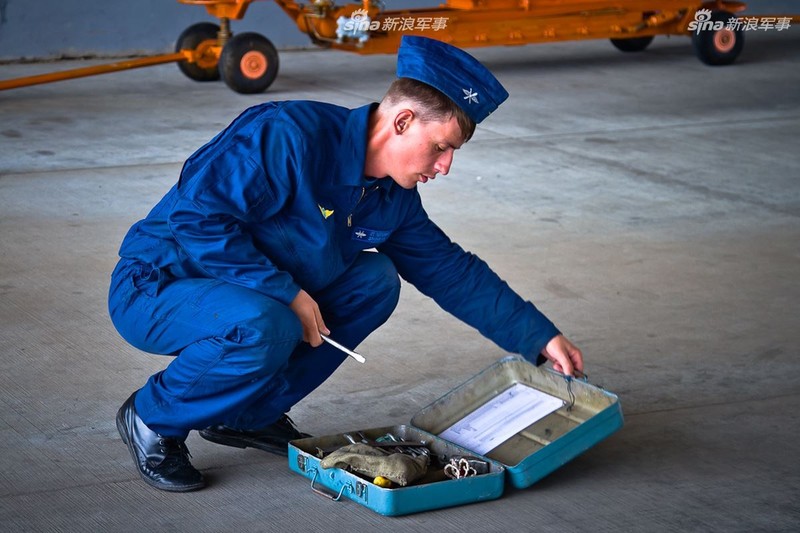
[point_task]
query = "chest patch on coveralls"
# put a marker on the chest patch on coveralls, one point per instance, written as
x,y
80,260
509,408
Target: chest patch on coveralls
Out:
x,y
372,236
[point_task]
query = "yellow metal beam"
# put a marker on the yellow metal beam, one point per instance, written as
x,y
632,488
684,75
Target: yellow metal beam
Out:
x,y
97,69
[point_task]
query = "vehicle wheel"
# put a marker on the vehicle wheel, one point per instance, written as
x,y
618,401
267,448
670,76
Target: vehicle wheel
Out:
x,y
205,69
249,63
718,46
636,44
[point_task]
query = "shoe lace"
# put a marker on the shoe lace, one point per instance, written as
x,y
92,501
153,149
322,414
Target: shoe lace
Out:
x,y
175,452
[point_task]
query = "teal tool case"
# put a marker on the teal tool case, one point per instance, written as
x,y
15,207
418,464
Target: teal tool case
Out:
x,y
587,415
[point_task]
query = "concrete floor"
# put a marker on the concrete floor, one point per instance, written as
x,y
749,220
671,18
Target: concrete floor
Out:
x,y
649,204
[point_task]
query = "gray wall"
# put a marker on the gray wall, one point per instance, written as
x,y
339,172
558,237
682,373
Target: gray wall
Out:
x,y
44,29
38,29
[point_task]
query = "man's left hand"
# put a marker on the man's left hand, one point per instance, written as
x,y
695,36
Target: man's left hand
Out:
x,y
566,358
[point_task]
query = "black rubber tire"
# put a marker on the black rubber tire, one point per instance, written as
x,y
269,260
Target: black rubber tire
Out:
x,y
636,44
188,40
249,63
718,47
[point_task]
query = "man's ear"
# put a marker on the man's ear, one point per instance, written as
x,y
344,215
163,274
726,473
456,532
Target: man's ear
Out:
x,y
402,121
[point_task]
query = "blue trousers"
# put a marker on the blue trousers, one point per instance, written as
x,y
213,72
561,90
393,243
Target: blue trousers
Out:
x,y
240,359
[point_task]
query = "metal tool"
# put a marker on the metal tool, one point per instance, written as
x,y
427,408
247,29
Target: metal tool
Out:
x,y
457,469
388,444
387,447
351,353
416,450
480,466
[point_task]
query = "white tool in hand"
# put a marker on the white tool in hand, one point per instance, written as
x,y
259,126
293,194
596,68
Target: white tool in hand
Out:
x,y
351,353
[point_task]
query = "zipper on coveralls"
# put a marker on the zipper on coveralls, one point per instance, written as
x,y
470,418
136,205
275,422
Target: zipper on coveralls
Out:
x,y
350,216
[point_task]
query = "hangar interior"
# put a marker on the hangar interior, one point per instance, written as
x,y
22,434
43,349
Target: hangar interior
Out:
x,y
647,203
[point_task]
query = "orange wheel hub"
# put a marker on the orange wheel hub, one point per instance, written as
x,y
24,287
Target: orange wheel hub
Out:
x,y
724,40
253,65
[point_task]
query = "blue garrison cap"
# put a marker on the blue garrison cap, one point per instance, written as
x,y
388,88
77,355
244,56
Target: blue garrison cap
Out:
x,y
453,72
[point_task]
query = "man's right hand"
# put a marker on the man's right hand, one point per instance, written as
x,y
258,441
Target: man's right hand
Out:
x,y
566,358
310,317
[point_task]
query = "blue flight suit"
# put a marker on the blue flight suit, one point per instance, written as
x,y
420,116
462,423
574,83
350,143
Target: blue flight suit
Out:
x,y
274,203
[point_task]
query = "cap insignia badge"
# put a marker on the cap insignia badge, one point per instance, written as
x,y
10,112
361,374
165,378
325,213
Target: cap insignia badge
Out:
x,y
470,96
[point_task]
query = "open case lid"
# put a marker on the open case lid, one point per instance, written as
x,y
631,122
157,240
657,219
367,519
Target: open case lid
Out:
x,y
578,416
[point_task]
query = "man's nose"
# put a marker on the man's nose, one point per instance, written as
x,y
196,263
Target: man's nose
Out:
x,y
443,163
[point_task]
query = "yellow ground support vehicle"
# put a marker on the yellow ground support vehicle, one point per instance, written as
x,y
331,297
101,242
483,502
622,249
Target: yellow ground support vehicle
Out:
x,y
248,62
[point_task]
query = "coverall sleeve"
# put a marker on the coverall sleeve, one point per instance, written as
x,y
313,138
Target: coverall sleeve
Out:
x,y
243,178
464,285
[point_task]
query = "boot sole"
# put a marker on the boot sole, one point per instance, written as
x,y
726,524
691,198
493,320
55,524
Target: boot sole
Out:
x,y
240,442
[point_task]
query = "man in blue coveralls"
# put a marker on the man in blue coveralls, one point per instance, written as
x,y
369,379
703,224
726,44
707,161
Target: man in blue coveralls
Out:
x,y
267,241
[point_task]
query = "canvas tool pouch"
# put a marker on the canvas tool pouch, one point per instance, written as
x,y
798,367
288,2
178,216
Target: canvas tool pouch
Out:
x,y
399,468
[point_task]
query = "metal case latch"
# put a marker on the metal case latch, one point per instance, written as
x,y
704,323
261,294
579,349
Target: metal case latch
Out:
x,y
361,490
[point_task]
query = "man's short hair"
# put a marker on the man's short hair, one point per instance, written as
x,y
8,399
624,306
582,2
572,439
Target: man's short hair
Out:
x,y
431,104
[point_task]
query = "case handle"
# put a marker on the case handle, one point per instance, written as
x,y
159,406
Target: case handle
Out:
x,y
325,493
580,376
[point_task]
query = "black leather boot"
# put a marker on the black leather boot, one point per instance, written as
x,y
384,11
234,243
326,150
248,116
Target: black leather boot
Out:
x,y
274,438
163,462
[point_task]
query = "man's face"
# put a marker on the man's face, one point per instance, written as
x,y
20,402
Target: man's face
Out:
x,y
420,150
